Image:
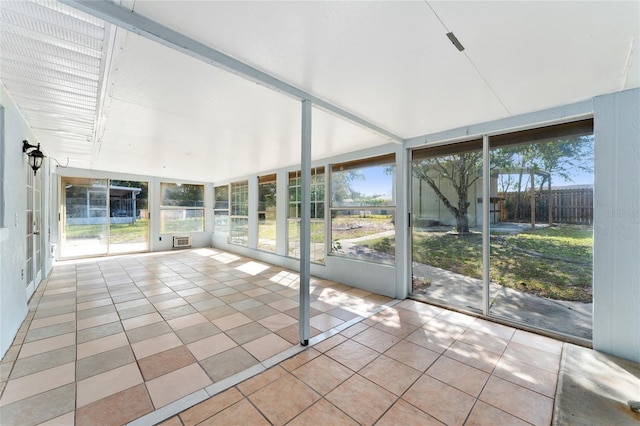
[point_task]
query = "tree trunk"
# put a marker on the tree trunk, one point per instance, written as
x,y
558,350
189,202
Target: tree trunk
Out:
x,y
462,223
462,217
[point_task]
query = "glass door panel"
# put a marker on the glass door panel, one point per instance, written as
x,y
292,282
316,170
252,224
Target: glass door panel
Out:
x,y
29,267
446,228
33,266
542,233
85,217
128,216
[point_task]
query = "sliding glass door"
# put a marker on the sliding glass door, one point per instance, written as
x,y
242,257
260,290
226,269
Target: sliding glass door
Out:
x,y
101,217
534,230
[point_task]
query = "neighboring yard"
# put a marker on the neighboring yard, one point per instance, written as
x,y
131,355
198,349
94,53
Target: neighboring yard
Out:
x,y
554,262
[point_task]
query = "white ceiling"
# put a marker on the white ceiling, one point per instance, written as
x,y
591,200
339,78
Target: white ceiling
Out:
x,y
164,113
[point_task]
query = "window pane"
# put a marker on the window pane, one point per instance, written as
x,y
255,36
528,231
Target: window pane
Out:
x,y
267,231
317,239
446,230
182,195
222,197
85,218
317,215
221,222
364,234
541,225
239,232
267,197
181,220
363,209
267,213
363,186
129,221
240,198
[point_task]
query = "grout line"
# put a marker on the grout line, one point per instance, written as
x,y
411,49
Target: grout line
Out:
x,y
189,401
231,381
171,409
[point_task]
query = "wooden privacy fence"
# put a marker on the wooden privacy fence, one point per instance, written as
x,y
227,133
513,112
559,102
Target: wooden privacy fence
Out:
x,y
568,205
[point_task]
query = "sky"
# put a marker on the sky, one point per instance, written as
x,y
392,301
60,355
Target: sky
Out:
x,y
377,182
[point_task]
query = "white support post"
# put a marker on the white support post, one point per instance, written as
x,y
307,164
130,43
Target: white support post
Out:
x,y
486,231
305,222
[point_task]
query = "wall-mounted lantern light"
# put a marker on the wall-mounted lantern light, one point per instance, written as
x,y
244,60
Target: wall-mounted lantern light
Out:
x,y
35,156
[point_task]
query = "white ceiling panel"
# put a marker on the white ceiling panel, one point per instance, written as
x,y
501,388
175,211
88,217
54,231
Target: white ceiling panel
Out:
x,y
173,116
538,55
390,63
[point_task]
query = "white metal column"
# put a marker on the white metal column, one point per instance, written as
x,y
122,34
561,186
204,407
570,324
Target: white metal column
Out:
x,y
486,232
305,222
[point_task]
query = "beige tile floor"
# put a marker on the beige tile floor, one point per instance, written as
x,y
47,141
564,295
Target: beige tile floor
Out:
x,y
141,338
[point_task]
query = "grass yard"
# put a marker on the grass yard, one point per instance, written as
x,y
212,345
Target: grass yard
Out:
x,y
553,262
348,227
118,232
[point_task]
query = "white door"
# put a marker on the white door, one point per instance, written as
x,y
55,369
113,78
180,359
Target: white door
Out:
x,y
33,267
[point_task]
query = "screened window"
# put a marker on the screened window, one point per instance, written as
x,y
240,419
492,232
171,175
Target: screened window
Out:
x,y
239,226
317,215
363,209
221,210
267,212
181,208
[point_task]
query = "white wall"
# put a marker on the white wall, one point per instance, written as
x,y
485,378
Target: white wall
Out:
x,y
616,288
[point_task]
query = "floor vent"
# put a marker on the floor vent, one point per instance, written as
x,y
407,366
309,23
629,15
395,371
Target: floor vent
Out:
x,y
182,242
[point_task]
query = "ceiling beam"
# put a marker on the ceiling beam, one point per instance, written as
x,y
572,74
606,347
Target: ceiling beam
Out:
x,y
145,27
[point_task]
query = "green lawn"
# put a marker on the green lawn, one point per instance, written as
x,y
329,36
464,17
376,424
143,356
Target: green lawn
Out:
x,y
118,233
554,262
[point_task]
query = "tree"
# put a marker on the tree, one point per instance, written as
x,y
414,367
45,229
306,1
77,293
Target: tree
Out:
x,y
341,185
462,171
182,195
560,158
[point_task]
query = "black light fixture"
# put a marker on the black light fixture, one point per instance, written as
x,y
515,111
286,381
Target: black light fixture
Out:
x,y
35,156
